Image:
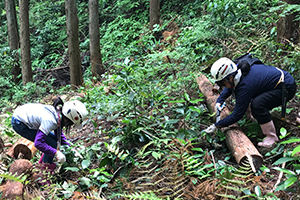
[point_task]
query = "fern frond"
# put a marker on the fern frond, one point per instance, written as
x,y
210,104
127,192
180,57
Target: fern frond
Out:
x,y
116,150
21,178
149,195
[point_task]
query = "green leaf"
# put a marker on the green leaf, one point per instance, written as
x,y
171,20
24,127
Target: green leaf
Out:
x,y
283,132
85,164
156,155
290,181
196,100
187,97
197,149
291,141
297,168
284,170
296,150
73,169
172,121
257,191
284,159
180,110
194,108
177,101
85,181
247,192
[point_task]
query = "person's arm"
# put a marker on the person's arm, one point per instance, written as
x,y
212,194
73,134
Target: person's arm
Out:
x,y
40,144
64,139
226,92
243,100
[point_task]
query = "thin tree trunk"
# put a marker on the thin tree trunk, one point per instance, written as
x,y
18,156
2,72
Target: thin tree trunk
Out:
x,y
13,35
24,41
287,27
154,13
154,17
73,43
95,52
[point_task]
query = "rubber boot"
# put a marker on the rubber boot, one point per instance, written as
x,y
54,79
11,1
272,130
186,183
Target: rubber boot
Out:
x,y
46,169
268,130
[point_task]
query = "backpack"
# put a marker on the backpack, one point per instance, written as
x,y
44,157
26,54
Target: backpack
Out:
x,y
248,57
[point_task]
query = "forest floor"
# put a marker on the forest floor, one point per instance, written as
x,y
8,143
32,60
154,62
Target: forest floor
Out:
x,y
88,137
266,181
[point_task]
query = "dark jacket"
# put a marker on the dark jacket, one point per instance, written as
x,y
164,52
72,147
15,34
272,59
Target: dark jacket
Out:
x,y
261,78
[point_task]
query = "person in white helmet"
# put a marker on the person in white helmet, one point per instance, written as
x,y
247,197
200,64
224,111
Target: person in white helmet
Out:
x,y
256,84
42,124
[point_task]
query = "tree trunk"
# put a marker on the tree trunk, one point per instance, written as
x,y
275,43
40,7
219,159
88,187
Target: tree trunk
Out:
x,y
287,27
73,43
13,35
95,52
24,41
154,17
237,142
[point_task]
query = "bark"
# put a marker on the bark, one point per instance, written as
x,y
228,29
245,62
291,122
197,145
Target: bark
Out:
x,y
14,189
287,27
73,43
154,13
154,17
96,57
13,35
24,41
237,142
29,144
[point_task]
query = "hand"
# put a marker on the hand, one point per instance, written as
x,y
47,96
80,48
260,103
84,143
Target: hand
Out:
x,y
61,158
219,106
211,129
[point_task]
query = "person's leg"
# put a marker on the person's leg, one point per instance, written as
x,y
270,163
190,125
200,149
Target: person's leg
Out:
x,y
52,141
269,131
30,134
260,107
23,130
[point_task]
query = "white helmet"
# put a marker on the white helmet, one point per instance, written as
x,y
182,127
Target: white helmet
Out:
x,y
222,68
75,111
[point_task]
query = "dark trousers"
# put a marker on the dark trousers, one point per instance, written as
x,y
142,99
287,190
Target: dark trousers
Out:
x,y
30,134
263,103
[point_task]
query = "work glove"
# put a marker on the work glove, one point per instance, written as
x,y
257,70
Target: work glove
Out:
x,y
219,106
211,129
60,157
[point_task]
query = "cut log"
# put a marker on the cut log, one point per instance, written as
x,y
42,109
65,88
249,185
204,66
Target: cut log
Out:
x,y
237,142
24,146
22,151
14,189
241,148
211,94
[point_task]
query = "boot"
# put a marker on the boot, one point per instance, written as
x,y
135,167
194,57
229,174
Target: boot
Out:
x,y
268,130
45,169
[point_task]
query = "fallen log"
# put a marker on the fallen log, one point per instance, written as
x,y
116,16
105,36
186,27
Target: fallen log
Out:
x,y
23,148
237,142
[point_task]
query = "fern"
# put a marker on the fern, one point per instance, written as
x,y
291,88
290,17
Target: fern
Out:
x,y
22,178
237,182
116,150
148,195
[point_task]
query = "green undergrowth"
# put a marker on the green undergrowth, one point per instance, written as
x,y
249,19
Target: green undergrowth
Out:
x,y
149,96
